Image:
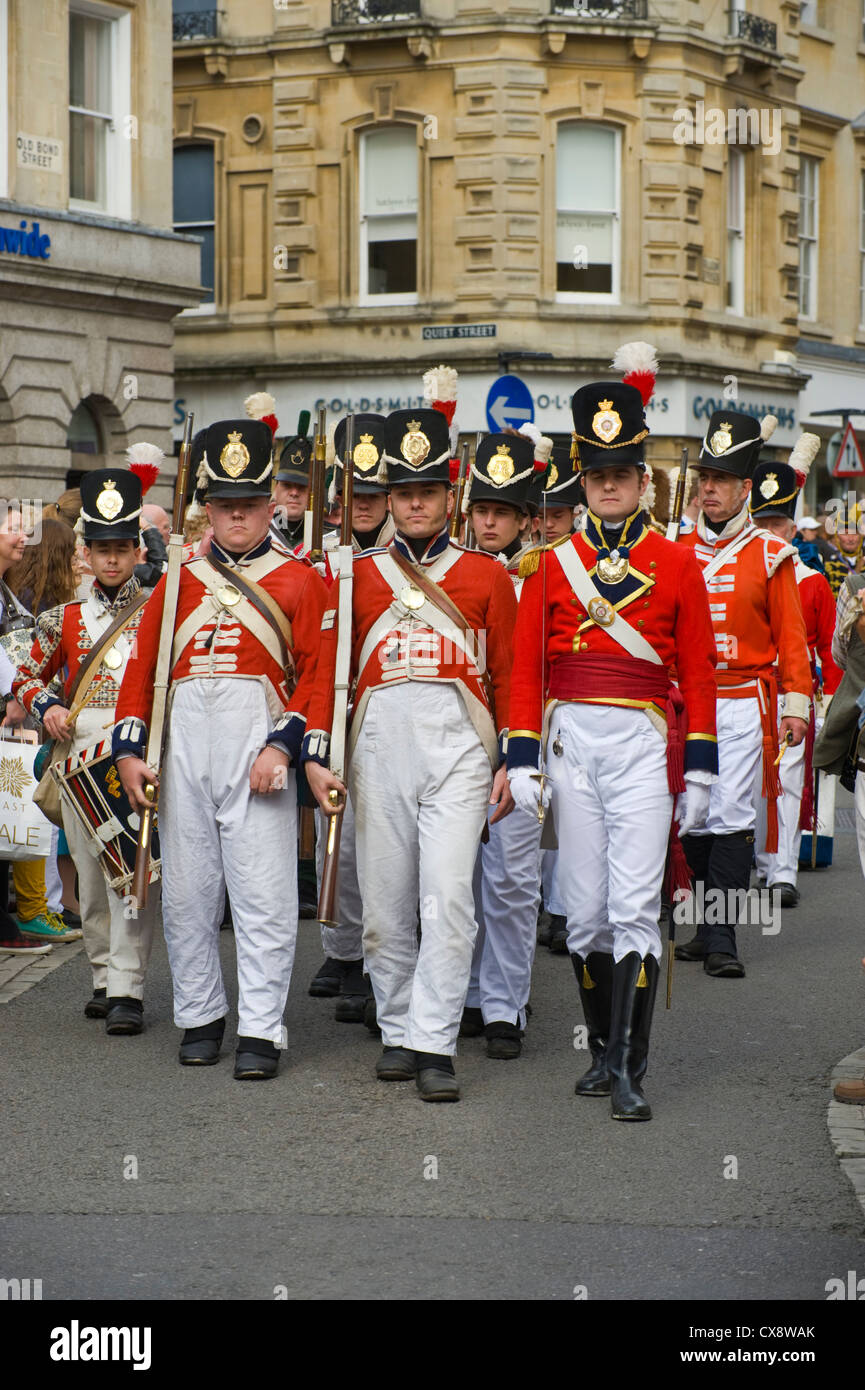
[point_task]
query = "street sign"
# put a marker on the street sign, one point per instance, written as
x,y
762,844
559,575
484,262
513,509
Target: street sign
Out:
x,y
509,402
848,462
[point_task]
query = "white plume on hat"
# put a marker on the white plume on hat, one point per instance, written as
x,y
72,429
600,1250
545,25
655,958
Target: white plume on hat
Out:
x,y
638,363
768,426
804,452
440,384
145,453
259,404
542,442
195,508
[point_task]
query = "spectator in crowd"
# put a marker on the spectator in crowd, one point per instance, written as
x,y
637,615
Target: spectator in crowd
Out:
x,y
45,576
848,558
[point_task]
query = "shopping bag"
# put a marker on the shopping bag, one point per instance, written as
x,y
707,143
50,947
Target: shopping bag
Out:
x,y
24,831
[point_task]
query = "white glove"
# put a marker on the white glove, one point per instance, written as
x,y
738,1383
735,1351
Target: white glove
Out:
x,y
526,790
692,806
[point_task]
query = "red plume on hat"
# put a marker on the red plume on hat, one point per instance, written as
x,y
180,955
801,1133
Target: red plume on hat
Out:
x,y
145,461
260,406
638,363
440,393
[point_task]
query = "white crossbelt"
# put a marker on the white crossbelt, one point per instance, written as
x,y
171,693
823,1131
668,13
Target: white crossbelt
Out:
x,y
578,577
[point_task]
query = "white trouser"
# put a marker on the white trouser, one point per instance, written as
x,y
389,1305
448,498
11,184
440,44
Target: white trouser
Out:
x,y
783,866
507,891
216,834
343,942
612,811
549,870
420,782
118,947
740,754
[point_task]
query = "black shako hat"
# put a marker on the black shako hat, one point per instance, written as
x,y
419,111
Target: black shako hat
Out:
x,y
369,446
775,490
238,459
416,448
295,461
731,444
561,484
609,425
503,470
110,505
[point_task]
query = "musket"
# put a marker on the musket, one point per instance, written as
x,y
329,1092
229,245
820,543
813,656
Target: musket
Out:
x,y
317,499
549,839
457,517
327,899
156,733
679,498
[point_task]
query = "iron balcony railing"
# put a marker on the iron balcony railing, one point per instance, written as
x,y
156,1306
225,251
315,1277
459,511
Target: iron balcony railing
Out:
x,y
602,9
373,11
754,29
196,24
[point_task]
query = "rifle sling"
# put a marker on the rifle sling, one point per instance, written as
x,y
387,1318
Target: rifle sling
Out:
x,y
265,605
445,604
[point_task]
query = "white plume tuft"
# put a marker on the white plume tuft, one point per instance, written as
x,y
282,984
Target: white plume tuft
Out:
x,y
805,450
145,453
440,384
543,448
647,501
329,447
530,431
768,426
635,357
259,404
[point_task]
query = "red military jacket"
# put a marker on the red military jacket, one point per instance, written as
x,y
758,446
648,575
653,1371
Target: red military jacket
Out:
x,y
218,644
391,643
64,637
756,613
818,610
663,598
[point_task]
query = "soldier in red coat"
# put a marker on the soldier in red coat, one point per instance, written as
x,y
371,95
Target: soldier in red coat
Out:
x,y
246,636
431,634
607,618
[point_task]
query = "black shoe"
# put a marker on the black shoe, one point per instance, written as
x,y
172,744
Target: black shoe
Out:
x,y
396,1064
435,1077
594,974
695,949
504,1041
326,982
124,1016
199,1047
97,1007
559,935
789,893
723,967
370,1019
71,919
635,984
256,1059
545,926
354,991
472,1023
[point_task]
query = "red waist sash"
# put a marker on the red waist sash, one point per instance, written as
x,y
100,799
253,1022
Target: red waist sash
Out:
x,y
614,678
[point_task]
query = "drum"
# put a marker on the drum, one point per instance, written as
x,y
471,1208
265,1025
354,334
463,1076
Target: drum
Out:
x,y
92,789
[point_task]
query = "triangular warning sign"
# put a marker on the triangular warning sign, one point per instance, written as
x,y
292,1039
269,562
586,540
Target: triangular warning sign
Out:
x,y
849,462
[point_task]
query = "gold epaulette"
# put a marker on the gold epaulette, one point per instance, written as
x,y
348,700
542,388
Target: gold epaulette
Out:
x,y
531,561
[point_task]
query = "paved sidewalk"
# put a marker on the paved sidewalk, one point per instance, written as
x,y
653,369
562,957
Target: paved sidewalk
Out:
x,y
20,973
847,1125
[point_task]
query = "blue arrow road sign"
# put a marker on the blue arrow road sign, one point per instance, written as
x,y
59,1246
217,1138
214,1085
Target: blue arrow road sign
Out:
x,y
509,402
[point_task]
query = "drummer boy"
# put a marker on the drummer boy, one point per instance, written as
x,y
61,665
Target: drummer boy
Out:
x,y
117,946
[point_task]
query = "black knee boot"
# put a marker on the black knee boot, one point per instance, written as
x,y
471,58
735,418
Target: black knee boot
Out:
x,y
697,850
729,874
595,978
635,984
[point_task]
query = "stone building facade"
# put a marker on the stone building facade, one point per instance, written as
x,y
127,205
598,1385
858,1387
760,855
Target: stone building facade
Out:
x,y
92,274
392,183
